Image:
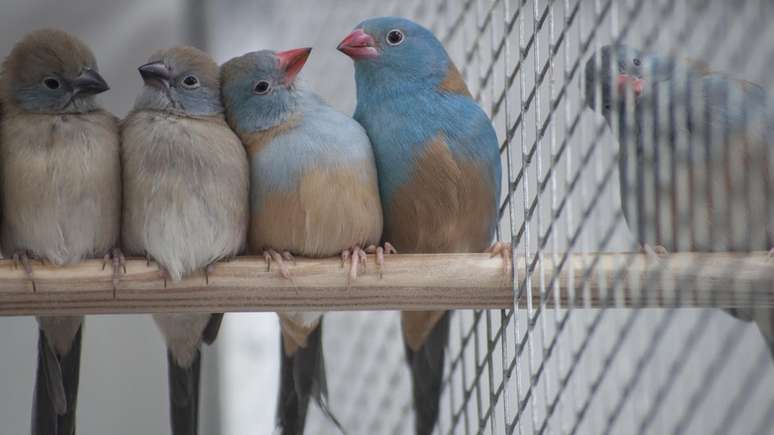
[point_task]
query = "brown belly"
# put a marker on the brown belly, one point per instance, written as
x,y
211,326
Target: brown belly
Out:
x,y
329,212
722,204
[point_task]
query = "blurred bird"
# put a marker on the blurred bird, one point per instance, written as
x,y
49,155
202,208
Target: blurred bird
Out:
x,y
694,161
61,192
314,192
185,199
438,161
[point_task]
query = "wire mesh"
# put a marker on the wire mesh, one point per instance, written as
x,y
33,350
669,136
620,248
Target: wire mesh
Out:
x,y
553,368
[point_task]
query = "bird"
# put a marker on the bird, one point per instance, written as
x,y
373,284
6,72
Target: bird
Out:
x,y
313,192
60,193
185,177
437,156
693,155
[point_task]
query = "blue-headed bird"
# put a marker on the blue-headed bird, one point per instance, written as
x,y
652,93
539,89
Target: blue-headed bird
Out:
x,y
313,193
694,155
438,161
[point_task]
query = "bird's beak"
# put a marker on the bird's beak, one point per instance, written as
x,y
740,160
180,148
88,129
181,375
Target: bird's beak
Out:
x,y
156,74
636,84
291,62
89,82
359,45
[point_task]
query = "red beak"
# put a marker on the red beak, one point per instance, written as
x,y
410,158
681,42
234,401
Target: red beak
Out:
x,y
629,81
291,61
359,45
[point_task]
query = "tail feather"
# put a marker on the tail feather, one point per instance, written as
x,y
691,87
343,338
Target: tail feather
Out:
x,y
184,395
302,376
426,366
55,398
210,332
765,322
770,342
763,318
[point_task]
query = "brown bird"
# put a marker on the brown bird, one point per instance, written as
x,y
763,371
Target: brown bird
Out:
x,y
61,192
185,185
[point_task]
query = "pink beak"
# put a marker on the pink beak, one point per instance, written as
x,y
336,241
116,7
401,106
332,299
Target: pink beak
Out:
x,y
291,61
629,81
359,45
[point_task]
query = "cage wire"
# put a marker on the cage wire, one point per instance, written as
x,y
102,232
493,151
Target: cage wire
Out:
x,y
549,367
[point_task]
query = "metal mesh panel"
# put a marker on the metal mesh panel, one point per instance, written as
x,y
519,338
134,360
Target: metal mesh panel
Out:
x,y
549,367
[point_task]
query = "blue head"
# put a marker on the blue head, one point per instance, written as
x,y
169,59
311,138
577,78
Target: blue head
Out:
x,y
259,88
395,53
50,71
181,80
623,68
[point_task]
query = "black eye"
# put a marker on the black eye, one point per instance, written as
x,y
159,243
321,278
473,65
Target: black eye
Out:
x,y
637,62
261,87
394,37
190,82
51,83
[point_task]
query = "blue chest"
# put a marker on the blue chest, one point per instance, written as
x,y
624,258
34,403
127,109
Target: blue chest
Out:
x,y
401,128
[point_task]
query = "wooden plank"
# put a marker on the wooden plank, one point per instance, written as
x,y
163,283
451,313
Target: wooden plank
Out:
x,y
410,282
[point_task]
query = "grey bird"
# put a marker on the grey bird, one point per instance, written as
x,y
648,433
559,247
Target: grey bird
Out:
x,y
694,166
61,192
185,188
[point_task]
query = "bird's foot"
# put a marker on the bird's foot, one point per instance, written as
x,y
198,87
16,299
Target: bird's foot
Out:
x,y
22,258
165,275
211,267
658,252
504,250
208,269
270,255
355,256
118,260
162,271
380,252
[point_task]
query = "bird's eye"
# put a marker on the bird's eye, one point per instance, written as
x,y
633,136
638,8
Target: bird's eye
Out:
x,y
191,82
261,87
51,83
395,37
637,62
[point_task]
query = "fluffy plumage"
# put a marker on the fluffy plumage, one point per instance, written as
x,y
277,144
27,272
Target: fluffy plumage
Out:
x,y
438,161
61,191
694,154
313,193
185,190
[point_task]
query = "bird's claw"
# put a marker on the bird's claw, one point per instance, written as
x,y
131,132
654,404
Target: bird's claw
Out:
x,y
23,258
118,261
357,257
270,255
207,271
380,252
658,252
504,250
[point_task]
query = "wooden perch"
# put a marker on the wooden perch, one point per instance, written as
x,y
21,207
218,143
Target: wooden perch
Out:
x,y
410,282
